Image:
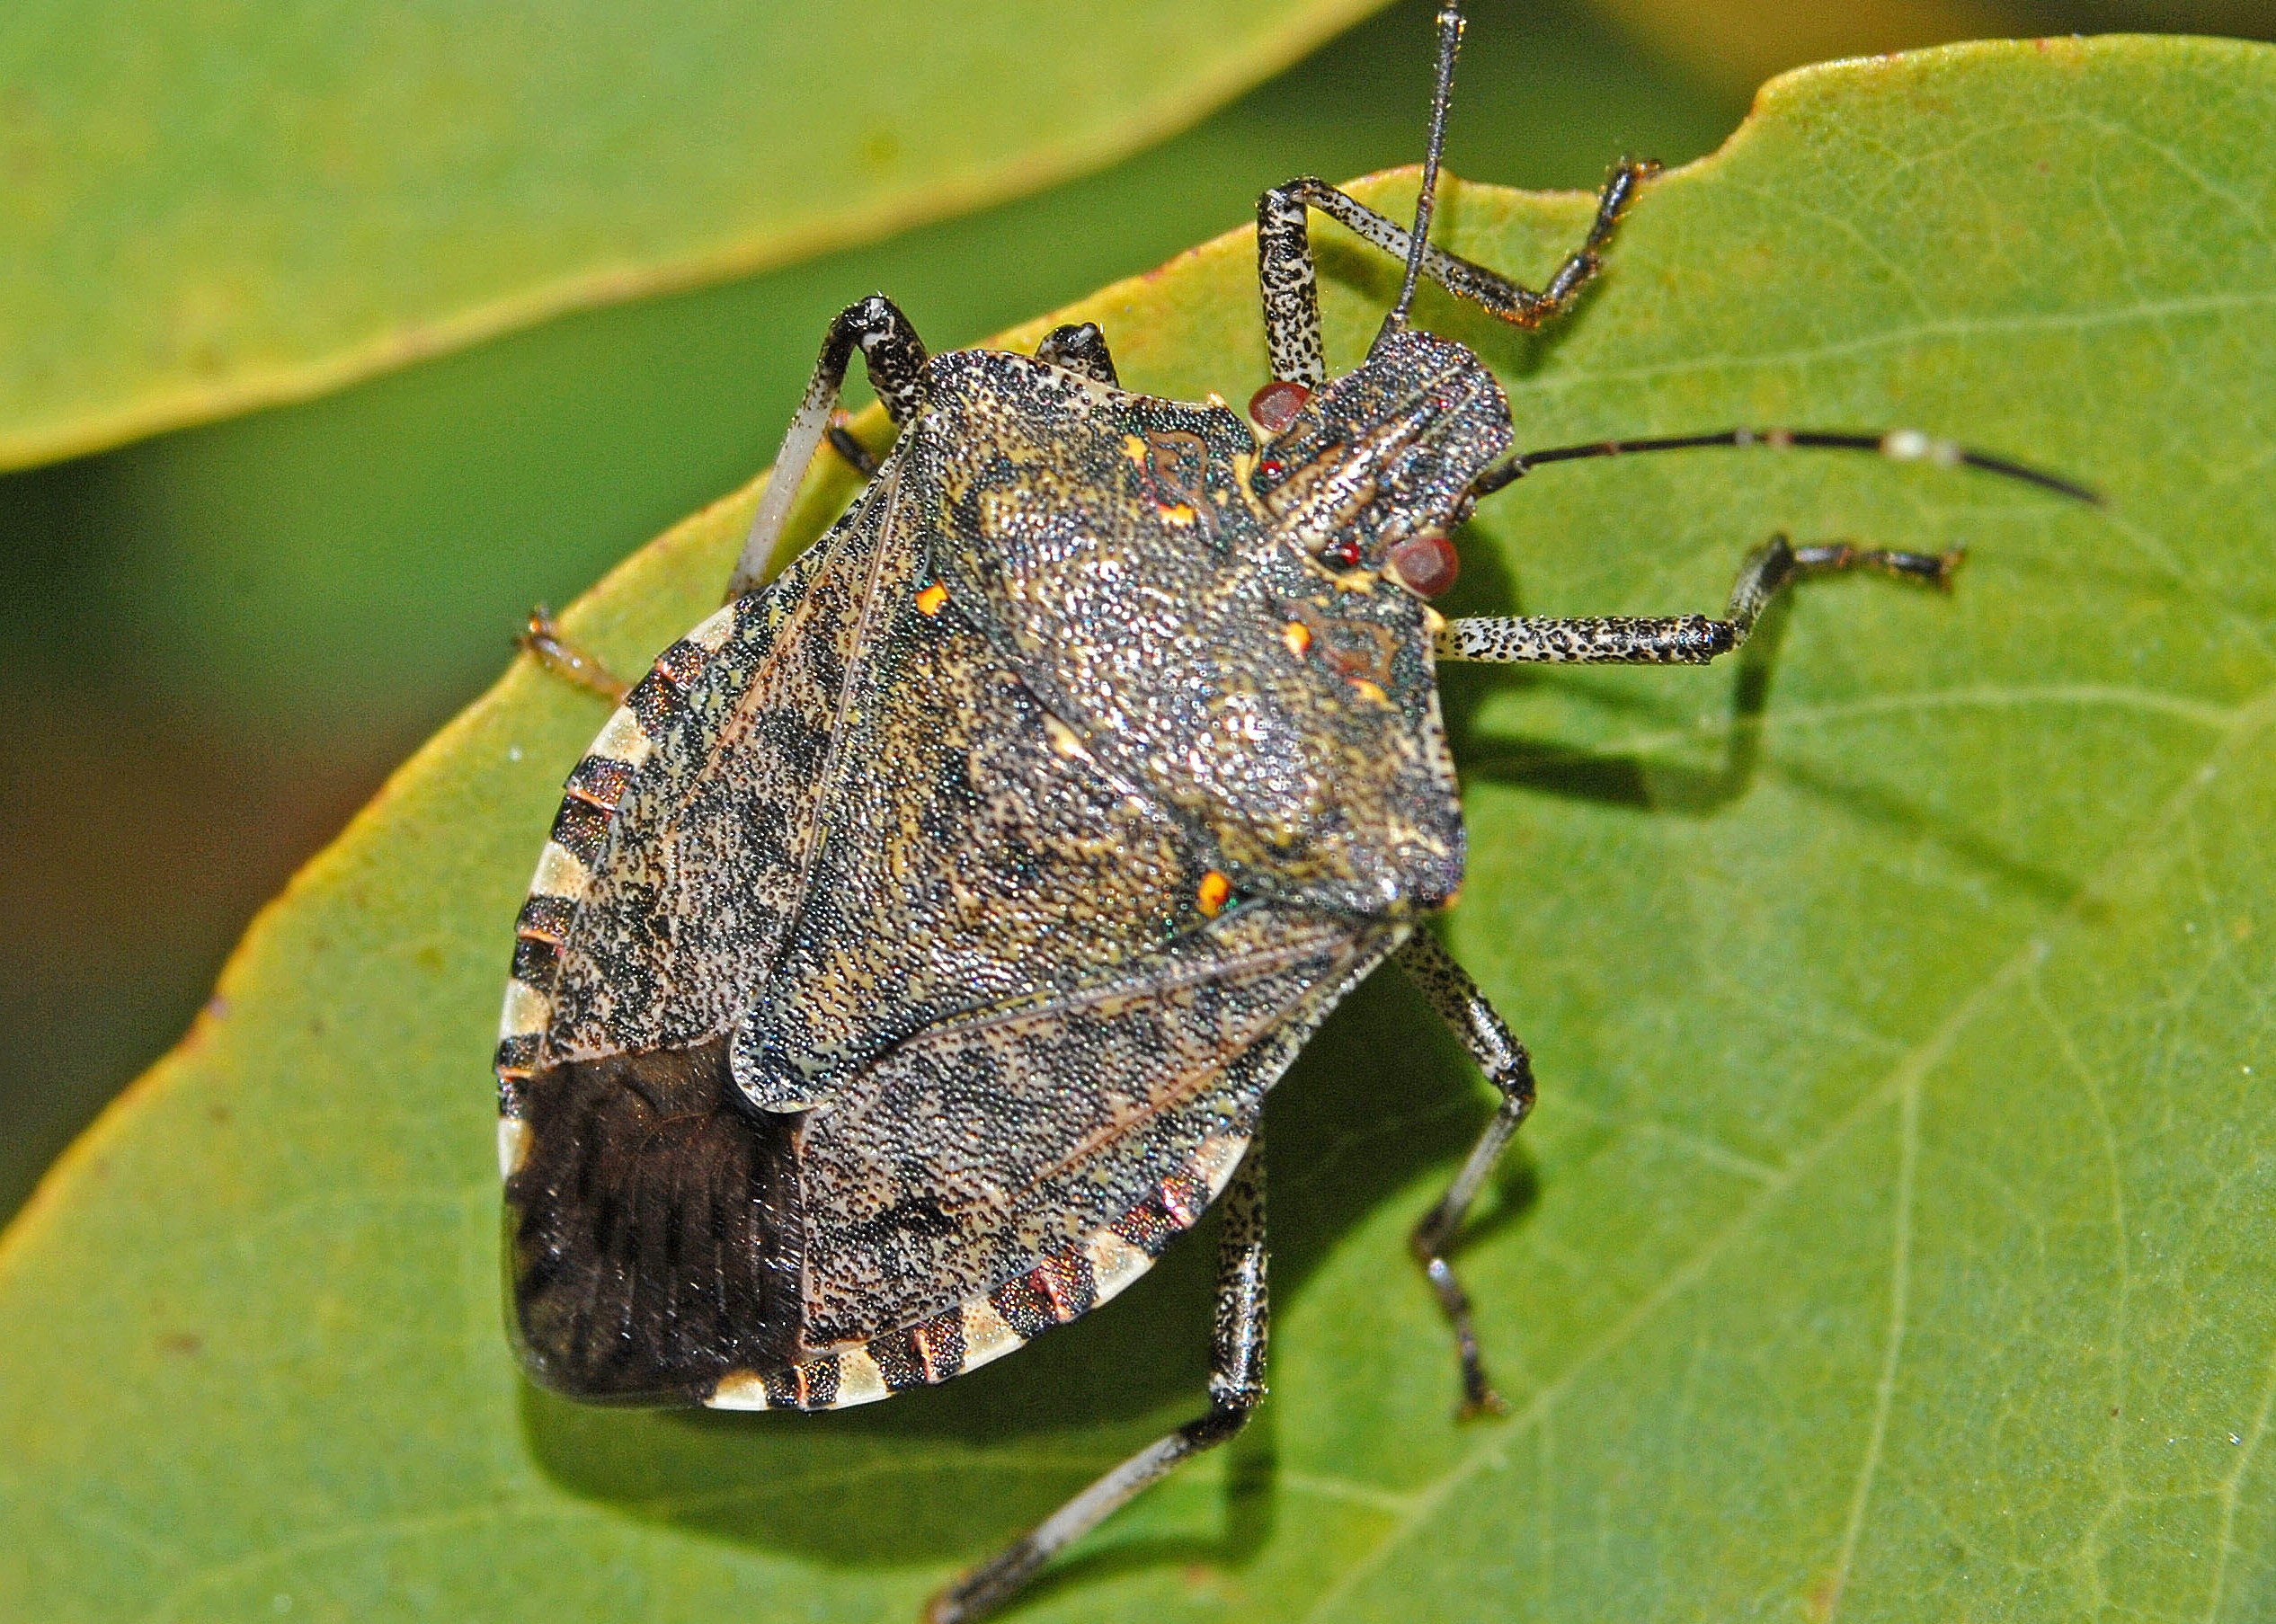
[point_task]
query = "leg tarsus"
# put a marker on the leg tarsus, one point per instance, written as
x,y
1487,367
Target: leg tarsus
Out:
x,y
1236,1386
542,640
1458,1002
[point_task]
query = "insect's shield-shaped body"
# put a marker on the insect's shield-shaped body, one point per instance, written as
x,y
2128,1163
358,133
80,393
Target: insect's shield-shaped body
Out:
x,y
915,950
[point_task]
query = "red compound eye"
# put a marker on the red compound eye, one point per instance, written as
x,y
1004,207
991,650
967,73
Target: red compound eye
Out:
x,y
1340,554
1275,406
1425,564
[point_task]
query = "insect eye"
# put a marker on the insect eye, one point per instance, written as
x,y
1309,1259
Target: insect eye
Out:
x,y
1275,406
1425,564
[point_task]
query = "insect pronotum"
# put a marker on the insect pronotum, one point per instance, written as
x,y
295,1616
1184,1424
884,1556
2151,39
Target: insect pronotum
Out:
x,y
915,947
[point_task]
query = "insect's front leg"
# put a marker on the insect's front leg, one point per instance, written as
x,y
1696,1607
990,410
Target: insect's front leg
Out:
x,y
894,357
1289,286
1236,1387
1677,639
1503,1059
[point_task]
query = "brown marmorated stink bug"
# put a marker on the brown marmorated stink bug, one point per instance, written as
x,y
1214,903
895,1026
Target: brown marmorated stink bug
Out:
x,y
915,947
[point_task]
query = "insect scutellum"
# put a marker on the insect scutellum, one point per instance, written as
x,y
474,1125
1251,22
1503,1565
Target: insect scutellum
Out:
x,y
915,947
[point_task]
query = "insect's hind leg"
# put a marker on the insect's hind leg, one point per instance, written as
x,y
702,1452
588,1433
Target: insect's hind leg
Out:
x,y
1457,1000
894,357
1236,1386
1289,286
1678,639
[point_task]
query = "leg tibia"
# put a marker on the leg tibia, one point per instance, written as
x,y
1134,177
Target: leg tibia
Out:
x,y
895,359
1677,639
1503,1059
1236,1384
1287,283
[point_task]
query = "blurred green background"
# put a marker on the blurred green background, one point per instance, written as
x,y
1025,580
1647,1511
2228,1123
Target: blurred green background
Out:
x,y
217,641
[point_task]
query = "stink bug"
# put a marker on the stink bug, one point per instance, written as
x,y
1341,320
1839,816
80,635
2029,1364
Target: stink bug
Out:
x,y
915,947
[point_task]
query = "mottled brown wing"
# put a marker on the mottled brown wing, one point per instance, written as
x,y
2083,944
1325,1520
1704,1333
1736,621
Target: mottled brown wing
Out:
x,y
970,1154
695,879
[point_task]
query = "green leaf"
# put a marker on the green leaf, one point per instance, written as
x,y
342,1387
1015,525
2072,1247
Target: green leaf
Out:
x,y
1892,1240
211,206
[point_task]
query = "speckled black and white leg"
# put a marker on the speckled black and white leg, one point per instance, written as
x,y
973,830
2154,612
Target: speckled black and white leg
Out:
x,y
1503,1059
1288,284
894,357
1236,1386
1079,347
1677,639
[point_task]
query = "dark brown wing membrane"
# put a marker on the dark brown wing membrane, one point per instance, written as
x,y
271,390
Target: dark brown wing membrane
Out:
x,y
654,1229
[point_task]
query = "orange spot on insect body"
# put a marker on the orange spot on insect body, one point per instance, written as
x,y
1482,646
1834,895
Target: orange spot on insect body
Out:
x,y
1297,636
1212,894
930,600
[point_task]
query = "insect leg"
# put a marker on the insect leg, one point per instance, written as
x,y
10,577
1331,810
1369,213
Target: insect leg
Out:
x,y
1236,1386
1289,287
1079,347
1677,639
543,640
860,457
895,358
1507,1067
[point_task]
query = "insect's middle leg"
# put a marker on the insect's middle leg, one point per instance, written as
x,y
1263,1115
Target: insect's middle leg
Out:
x,y
1677,639
1459,1003
1289,286
1236,1386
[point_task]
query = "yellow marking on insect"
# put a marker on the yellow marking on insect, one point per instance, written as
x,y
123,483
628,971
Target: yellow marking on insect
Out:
x,y
930,600
1177,512
559,874
1215,1159
1216,400
1370,691
859,1380
1115,1262
514,1145
526,1010
988,1335
1214,889
1433,621
623,739
738,1390
1133,447
716,628
1064,740
1297,636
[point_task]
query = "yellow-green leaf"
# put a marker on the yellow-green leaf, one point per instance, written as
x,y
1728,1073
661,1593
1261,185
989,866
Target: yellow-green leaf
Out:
x,y
1892,1240
209,206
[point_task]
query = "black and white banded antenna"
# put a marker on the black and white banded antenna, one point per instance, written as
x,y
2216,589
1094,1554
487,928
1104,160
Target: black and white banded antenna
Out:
x,y
1900,444
1442,93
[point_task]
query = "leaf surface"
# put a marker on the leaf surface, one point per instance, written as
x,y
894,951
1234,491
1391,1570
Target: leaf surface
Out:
x,y
212,207
1892,1240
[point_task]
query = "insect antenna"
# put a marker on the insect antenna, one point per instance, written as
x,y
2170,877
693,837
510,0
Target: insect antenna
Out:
x,y
1902,445
1442,92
